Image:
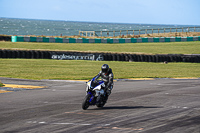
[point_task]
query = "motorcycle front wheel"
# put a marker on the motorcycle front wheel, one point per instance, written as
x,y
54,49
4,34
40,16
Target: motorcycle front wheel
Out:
x,y
86,102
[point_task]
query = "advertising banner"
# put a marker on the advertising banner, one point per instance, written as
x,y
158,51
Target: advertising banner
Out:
x,y
77,57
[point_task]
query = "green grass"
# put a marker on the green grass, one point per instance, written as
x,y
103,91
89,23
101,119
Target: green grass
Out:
x,y
146,48
72,69
69,69
1,84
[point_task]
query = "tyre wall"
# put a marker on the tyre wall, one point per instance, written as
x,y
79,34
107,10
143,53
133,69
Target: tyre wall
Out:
x,y
33,54
5,38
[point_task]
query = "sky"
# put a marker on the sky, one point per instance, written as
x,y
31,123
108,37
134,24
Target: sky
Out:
x,y
180,12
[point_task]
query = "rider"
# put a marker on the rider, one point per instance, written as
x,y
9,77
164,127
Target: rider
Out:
x,y
107,76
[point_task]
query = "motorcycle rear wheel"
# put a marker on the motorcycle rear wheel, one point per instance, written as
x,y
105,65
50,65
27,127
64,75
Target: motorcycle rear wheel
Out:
x,y
86,102
100,105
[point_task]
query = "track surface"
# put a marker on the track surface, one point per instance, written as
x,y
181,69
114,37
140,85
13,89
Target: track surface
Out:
x,y
154,106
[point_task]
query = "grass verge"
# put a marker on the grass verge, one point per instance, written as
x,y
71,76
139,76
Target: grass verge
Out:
x,y
1,84
144,48
77,70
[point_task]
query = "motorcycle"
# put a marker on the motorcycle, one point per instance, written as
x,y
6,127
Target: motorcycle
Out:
x,y
95,94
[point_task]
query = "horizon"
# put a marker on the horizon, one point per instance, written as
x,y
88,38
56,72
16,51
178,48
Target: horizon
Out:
x,y
97,22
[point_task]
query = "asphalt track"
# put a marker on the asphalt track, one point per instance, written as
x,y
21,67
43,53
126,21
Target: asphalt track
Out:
x,y
138,106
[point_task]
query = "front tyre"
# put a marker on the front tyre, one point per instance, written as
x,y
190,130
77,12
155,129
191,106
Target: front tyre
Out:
x,y
86,102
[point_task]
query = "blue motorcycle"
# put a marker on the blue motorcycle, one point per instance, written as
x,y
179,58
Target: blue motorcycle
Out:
x,y
95,94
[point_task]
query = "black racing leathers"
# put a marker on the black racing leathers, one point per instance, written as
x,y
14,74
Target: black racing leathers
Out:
x,y
107,78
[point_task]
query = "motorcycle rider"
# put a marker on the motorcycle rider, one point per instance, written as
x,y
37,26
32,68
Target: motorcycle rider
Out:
x,y
107,76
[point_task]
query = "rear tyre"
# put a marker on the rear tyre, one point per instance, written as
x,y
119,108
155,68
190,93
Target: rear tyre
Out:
x,y
101,104
86,102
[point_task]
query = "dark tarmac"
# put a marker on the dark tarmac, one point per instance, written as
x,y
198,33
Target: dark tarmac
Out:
x,y
137,106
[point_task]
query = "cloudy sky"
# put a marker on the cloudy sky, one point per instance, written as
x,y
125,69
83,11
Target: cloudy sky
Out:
x,y
184,12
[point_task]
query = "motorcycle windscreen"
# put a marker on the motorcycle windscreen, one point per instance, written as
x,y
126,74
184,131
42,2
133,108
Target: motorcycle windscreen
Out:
x,y
94,84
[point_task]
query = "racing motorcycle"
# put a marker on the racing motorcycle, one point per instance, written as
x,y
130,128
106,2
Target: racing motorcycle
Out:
x,y
95,94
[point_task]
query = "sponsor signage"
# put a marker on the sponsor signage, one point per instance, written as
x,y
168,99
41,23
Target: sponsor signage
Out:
x,y
77,57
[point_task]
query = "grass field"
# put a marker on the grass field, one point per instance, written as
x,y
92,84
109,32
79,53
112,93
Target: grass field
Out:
x,y
145,48
71,69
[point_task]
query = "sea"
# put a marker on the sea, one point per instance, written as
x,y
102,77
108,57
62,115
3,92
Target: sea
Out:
x,y
15,26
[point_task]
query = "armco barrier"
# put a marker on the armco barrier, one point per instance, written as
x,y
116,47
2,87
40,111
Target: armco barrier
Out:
x,y
104,40
33,54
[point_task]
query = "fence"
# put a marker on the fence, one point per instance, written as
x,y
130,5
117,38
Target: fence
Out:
x,y
103,40
138,32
